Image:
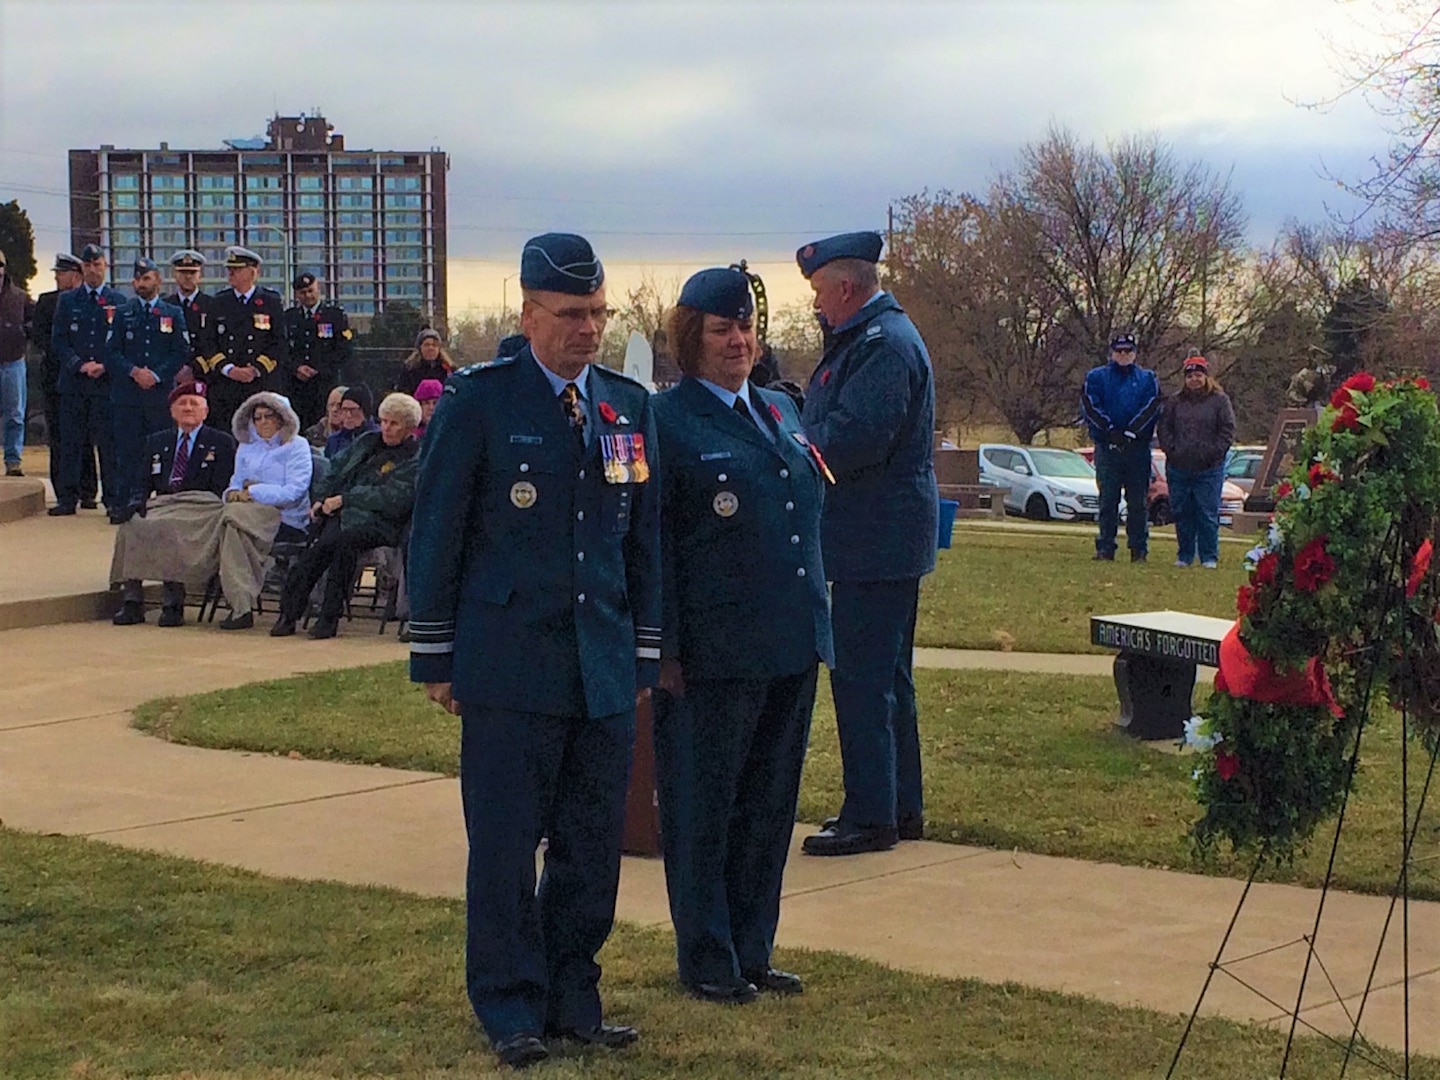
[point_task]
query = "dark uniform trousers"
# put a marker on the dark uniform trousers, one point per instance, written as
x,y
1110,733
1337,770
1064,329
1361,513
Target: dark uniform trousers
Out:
x,y
529,952
85,432
874,688
131,427
726,814
89,485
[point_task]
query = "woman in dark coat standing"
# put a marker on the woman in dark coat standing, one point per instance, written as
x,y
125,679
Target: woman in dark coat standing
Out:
x,y
747,622
428,360
1197,426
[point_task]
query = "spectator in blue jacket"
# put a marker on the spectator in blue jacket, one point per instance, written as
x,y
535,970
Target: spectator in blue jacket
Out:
x,y
1121,403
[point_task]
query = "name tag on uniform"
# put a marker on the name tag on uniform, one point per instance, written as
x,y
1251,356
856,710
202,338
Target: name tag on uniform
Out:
x,y
624,457
167,324
262,322
716,455
324,330
155,467
527,440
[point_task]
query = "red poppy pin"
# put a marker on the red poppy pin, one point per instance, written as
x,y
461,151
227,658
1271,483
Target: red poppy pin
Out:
x,y
824,376
775,412
259,302
608,414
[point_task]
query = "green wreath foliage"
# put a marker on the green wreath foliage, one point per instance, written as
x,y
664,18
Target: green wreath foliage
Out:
x,y
1341,598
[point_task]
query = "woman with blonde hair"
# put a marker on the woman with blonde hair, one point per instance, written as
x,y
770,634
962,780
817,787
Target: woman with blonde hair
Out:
x,y
428,360
1196,428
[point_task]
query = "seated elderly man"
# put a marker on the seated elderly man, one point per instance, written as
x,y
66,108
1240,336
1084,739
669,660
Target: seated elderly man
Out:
x,y
363,504
268,499
173,536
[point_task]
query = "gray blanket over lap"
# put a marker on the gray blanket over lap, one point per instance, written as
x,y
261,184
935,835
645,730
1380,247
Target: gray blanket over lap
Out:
x,y
178,539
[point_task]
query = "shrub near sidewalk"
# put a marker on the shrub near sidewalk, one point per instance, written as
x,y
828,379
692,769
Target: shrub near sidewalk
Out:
x,y
1036,593
123,964
1012,760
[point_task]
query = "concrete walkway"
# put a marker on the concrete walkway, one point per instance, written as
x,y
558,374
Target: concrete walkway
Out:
x,y
70,763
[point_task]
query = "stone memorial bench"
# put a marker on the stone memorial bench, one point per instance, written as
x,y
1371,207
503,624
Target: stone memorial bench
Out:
x,y
1155,671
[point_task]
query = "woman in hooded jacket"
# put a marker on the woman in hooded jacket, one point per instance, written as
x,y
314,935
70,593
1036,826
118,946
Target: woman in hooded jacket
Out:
x,y
268,499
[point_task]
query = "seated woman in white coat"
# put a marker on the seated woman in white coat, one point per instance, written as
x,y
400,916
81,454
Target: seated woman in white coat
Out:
x,y
268,499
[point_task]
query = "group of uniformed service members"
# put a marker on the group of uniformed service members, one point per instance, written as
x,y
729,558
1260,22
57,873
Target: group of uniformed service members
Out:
x,y
112,360
578,544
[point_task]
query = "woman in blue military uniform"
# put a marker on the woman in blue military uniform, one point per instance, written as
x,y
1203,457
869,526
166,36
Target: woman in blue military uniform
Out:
x,y
746,622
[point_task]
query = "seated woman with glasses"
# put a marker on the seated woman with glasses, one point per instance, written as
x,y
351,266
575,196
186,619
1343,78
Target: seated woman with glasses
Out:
x,y
356,406
268,499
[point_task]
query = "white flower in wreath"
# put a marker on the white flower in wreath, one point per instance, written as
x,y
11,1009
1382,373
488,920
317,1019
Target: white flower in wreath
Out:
x,y
1199,736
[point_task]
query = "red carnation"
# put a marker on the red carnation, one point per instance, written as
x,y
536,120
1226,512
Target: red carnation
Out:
x,y
775,412
1226,765
1422,383
1361,381
607,413
1419,566
1319,474
1348,420
1283,489
1314,566
1245,600
1340,398
1266,569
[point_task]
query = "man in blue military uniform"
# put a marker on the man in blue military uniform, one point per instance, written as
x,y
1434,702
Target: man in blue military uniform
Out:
x,y
1121,404
82,324
319,346
146,347
870,408
186,267
747,621
67,276
534,580
251,348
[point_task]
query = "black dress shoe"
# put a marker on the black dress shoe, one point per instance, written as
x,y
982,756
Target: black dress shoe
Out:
x,y
283,627
238,622
521,1051
909,828
171,616
1138,556
63,510
324,628
131,613
89,504
738,992
841,839
119,517
775,981
610,1036
1103,556
14,470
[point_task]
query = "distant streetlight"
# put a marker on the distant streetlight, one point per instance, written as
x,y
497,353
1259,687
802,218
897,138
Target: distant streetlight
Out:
x,y
504,294
287,267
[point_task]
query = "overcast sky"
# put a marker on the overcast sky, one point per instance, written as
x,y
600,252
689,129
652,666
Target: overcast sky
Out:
x,y
681,134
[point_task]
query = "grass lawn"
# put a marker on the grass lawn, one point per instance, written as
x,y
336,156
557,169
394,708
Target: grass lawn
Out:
x,y
121,964
1036,592
1012,761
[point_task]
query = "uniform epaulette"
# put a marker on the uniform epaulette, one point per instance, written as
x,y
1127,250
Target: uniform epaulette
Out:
x,y
485,365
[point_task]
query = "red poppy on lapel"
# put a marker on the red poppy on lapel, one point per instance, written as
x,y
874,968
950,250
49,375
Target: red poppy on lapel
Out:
x,y
824,376
775,413
608,414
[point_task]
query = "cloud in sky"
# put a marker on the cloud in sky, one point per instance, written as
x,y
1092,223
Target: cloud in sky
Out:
x,y
688,132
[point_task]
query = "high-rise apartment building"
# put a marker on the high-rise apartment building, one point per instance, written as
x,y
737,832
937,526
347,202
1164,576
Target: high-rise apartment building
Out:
x,y
370,222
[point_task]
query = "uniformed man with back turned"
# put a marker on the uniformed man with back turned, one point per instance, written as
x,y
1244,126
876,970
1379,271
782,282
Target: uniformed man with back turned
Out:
x,y
870,408
535,616
251,349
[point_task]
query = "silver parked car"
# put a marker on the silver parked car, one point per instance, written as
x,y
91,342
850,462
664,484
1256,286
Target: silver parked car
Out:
x,y
1043,482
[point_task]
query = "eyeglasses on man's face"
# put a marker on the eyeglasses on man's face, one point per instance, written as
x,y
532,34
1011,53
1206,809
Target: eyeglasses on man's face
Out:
x,y
577,315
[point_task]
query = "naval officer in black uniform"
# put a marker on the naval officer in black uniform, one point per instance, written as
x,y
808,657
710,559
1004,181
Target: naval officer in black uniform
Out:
x,y
320,345
870,408
534,579
251,348
186,267
747,622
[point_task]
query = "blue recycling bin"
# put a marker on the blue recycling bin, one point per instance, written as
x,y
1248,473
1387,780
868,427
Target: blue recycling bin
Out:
x,y
947,520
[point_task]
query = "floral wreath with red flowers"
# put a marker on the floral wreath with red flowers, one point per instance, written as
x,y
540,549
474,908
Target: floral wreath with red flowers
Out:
x,y
1339,610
